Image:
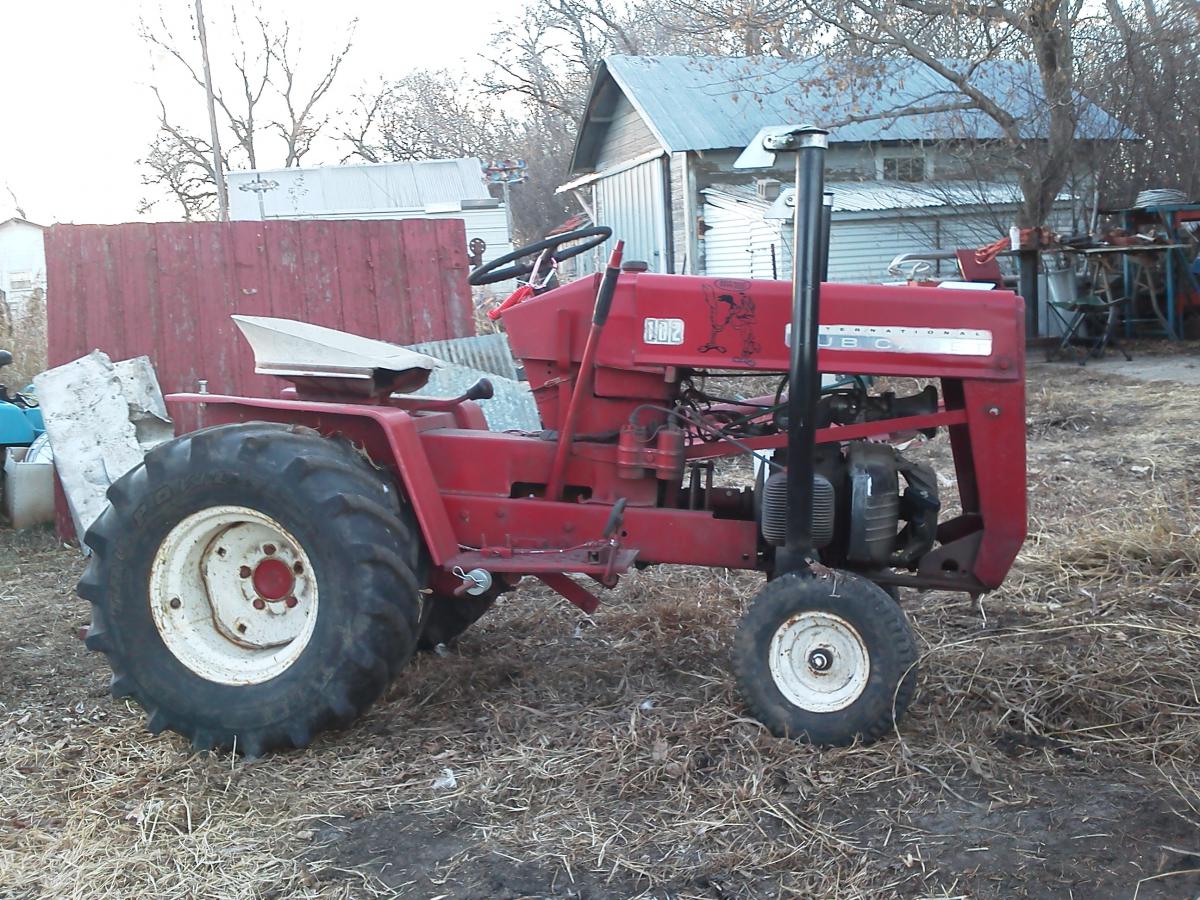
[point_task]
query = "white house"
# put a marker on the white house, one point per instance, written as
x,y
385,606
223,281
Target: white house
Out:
x,y
654,156
416,189
22,261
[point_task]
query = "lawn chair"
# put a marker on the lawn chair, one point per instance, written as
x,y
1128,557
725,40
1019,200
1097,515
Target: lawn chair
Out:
x,y
1072,310
973,270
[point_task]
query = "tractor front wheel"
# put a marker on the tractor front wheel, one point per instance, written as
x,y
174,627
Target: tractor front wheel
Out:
x,y
825,658
253,585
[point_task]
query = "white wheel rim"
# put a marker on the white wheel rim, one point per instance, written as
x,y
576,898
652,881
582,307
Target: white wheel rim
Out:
x,y
234,595
819,662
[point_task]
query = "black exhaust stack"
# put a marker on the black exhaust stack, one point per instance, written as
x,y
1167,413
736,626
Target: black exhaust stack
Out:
x,y
809,262
826,227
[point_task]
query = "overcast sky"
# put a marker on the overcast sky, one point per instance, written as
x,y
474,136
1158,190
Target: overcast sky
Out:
x,y
75,112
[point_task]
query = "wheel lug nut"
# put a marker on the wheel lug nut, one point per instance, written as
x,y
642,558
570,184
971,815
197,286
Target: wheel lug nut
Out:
x,y
260,603
245,572
290,602
269,549
176,603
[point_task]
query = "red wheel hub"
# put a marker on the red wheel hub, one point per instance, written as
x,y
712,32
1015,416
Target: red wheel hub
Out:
x,y
273,579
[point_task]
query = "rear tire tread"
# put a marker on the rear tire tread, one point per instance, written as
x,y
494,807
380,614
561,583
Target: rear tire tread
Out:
x,y
363,516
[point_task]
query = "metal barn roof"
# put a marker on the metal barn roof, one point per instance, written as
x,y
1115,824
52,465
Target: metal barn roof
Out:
x,y
427,185
711,103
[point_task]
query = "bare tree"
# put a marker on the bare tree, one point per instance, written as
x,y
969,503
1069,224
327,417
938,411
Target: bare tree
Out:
x,y
543,62
1144,66
427,114
265,103
959,40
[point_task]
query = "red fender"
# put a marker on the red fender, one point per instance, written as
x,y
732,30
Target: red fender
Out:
x,y
390,437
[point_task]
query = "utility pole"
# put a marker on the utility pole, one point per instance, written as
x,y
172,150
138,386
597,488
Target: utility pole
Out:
x,y
218,166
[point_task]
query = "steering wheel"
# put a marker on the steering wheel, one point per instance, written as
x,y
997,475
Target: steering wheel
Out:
x,y
501,268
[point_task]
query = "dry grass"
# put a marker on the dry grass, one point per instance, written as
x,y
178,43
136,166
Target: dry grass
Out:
x,y
1052,750
23,333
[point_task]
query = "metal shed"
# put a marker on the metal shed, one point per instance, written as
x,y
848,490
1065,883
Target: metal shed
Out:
x,y
749,235
660,135
414,189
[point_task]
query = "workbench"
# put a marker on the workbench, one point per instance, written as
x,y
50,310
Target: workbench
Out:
x,y
1135,267
1180,282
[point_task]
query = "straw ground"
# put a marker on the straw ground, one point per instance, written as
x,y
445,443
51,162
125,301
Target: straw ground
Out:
x,y
1052,750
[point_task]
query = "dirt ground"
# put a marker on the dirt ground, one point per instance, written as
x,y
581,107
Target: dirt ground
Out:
x,y
1053,749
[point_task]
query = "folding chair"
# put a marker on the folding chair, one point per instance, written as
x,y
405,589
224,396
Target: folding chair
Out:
x,y
1065,301
973,270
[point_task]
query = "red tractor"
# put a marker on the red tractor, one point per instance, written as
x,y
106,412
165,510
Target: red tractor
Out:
x,y
264,578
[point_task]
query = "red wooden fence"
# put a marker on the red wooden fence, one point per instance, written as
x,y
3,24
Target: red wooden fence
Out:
x,y
167,290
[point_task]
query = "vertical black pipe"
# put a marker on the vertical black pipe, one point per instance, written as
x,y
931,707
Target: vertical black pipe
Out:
x,y
1027,275
804,379
826,228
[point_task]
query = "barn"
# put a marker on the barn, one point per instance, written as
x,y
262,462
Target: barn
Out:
x,y
654,154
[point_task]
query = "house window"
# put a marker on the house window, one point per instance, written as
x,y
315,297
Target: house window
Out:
x,y
20,281
904,168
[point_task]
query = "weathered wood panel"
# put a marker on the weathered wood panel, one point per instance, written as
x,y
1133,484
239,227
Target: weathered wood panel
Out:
x,y
627,137
167,290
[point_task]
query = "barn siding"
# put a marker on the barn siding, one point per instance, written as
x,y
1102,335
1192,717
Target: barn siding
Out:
x,y
684,201
633,204
627,137
738,245
167,290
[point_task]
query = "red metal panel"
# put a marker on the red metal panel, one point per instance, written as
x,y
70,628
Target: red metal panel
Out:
x,y
388,435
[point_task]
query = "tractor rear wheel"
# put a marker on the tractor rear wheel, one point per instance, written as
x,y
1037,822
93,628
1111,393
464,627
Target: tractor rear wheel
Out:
x,y
253,585
825,659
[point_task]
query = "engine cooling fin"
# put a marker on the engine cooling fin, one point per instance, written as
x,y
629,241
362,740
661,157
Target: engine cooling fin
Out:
x,y
775,509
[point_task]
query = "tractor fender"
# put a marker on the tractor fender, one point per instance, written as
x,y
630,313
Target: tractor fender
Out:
x,y
388,436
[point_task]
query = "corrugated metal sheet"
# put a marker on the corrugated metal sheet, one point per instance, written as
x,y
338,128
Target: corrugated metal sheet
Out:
x,y
485,352
633,203
511,408
167,290
708,103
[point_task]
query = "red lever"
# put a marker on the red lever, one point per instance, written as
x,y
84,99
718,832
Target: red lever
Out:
x,y
524,292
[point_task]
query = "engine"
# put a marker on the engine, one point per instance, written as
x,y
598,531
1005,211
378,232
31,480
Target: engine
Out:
x,y
873,508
